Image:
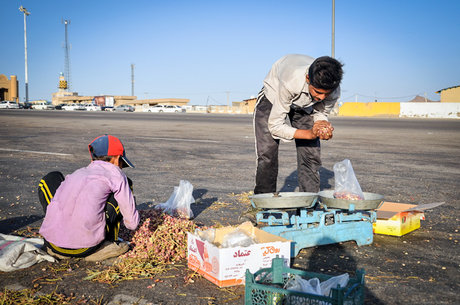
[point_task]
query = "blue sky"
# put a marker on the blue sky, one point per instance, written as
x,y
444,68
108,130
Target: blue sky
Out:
x,y
218,51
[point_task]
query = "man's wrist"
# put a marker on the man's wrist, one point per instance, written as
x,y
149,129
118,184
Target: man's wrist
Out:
x,y
306,134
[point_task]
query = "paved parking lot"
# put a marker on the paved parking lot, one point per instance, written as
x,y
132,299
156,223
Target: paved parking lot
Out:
x,y
406,160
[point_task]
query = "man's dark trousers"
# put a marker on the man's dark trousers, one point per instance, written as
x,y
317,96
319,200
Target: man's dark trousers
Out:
x,y
308,151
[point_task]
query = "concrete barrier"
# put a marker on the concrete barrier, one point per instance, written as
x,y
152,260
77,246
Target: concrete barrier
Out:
x,y
431,110
370,109
415,110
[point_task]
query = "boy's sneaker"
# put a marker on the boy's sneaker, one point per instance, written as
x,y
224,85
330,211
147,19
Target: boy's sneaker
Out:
x,y
249,215
108,250
55,255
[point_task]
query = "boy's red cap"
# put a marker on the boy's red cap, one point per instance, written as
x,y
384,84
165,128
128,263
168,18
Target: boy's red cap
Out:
x,y
108,145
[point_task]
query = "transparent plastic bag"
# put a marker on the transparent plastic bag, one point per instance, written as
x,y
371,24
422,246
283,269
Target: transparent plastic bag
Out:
x,y
299,284
208,234
314,286
180,200
346,185
340,280
237,238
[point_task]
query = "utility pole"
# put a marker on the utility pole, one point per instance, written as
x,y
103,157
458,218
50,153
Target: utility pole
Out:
x,y
26,13
333,29
132,79
67,56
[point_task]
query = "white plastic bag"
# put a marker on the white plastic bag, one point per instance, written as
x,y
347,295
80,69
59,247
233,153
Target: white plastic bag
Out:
x,y
341,280
18,252
180,200
208,234
314,286
299,284
237,238
346,185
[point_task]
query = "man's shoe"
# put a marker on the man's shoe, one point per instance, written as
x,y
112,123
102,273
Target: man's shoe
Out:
x,y
108,250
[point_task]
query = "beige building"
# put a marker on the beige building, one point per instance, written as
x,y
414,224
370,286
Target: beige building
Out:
x,y
9,88
450,95
163,101
246,106
74,98
63,96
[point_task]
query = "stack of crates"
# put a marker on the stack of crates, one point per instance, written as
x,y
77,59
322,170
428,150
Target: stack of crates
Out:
x,y
266,287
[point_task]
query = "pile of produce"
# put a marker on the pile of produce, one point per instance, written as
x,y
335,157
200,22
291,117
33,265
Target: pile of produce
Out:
x,y
323,130
348,196
35,296
160,240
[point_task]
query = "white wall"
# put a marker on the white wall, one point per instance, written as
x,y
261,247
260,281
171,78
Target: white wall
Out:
x,y
430,110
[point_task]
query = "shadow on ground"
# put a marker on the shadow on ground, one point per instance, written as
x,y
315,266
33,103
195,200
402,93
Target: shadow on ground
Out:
x,y
291,183
10,225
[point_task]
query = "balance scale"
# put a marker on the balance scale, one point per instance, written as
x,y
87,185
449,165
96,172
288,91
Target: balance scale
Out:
x,y
312,219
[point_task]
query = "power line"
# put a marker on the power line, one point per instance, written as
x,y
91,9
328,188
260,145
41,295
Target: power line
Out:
x,y
379,97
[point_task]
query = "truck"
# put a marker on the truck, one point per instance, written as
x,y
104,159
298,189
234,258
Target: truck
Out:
x,y
106,102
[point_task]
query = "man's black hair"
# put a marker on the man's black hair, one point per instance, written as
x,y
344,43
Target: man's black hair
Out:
x,y
325,73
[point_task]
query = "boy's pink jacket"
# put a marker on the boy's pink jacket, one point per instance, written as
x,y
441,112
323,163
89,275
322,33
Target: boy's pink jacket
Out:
x,y
75,217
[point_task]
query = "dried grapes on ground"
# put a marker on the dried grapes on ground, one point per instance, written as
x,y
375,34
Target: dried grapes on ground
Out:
x,y
160,240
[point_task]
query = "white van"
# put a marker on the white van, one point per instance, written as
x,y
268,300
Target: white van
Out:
x,y
42,106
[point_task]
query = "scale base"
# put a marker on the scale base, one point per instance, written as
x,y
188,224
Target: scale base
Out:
x,y
313,228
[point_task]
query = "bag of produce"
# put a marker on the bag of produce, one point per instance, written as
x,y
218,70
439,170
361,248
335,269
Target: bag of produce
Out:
x,y
179,202
346,185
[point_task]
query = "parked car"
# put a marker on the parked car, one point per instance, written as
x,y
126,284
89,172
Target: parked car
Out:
x,y
92,107
164,108
59,107
126,108
25,105
9,105
73,107
42,106
107,108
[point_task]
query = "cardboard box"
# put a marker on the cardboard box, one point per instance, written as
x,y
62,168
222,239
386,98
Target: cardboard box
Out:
x,y
227,266
398,219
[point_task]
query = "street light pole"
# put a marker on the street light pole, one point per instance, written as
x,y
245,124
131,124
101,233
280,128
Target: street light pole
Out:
x,y
333,29
132,79
26,13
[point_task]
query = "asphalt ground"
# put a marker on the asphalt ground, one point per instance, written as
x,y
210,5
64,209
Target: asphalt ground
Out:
x,y
406,160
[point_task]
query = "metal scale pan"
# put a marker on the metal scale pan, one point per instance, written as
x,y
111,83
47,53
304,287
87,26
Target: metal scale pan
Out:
x,y
371,201
284,200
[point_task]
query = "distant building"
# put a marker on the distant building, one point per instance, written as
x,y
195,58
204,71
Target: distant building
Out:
x,y
63,96
245,106
421,99
74,98
9,88
450,95
163,101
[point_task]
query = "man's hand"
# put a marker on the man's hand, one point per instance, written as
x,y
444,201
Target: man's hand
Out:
x,y
323,130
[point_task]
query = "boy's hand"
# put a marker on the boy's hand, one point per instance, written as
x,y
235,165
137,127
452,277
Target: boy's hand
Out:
x,y
323,130
130,183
